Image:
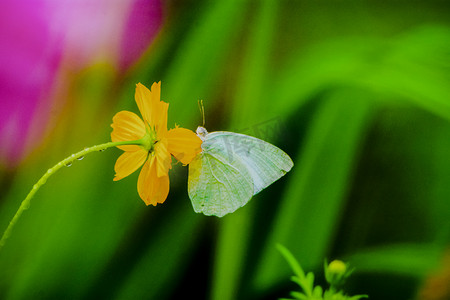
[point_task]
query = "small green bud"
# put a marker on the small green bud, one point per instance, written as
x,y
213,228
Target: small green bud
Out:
x,y
337,267
336,272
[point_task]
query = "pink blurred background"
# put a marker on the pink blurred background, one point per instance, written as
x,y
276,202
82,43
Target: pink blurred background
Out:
x,y
45,42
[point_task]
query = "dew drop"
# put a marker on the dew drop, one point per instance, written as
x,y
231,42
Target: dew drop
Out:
x,y
68,164
80,158
101,150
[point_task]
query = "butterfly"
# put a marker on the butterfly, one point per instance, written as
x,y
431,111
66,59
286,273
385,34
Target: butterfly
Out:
x,y
230,169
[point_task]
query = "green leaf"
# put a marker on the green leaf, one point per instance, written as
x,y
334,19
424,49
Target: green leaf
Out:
x,y
318,183
292,261
408,259
298,295
140,283
310,280
202,55
318,291
357,297
233,242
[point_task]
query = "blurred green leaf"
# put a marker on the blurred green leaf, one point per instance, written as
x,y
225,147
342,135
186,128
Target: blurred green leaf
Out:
x,y
154,276
196,66
318,184
232,246
405,259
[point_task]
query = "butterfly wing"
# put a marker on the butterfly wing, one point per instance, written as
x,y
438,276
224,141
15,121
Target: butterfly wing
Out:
x,y
218,185
265,162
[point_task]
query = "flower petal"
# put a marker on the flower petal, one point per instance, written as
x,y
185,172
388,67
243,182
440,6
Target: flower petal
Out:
x,y
184,144
160,118
144,101
127,126
151,188
152,109
163,158
156,92
129,162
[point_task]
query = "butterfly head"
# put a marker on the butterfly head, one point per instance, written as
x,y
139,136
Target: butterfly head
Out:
x,y
201,132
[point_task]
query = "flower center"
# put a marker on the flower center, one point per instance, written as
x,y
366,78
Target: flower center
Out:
x,y
149,139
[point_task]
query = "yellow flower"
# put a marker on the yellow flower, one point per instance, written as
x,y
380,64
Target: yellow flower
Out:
x,y
158,144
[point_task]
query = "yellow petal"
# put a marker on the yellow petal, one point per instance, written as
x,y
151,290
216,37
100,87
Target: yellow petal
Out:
x,y
129,162
127,126
159,109
144,101
151,188
160,118
184,144
163,158
156,92
152,109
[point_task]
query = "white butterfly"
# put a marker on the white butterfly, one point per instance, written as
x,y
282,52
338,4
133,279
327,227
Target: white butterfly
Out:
x,y
231,168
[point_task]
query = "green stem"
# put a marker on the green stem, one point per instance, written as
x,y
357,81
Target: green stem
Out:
x,y
65,162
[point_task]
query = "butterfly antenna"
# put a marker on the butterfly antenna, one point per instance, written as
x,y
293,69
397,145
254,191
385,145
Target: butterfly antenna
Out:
x,y
202,111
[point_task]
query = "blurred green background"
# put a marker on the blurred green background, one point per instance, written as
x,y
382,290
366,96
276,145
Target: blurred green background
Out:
x,y
356,92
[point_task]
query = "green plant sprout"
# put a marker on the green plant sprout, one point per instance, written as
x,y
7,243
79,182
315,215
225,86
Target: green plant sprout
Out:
x,y
336,273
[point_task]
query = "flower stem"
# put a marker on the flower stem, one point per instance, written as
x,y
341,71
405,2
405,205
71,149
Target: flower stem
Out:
x,y
65,162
